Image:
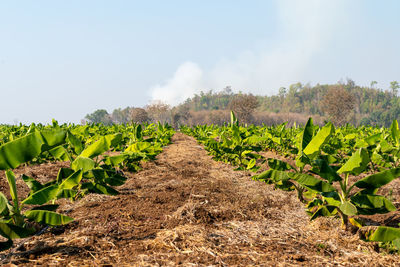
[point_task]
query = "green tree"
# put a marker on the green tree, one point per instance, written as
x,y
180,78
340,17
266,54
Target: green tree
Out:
x,y
394,87
180,115
121,115
99,116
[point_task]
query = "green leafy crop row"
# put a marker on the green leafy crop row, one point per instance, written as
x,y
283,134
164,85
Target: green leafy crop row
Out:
x,y
93,169
327,160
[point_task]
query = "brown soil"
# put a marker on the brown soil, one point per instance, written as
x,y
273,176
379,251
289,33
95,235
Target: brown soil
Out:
x,y
186,209
43,173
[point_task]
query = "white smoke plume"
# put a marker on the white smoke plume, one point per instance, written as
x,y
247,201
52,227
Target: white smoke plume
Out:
x,y
185,83
306,28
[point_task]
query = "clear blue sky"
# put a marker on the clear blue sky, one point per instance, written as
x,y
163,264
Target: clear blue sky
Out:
x,y
64,59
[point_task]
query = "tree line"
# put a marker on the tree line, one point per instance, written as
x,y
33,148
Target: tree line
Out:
x,y
342,102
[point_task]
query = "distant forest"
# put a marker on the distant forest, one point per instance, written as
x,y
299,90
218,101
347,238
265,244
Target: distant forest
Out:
x,y
343,102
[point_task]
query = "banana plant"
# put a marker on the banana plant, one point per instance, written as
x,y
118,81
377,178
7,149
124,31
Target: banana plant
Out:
x,y
358,198
95,177
14,222
288,177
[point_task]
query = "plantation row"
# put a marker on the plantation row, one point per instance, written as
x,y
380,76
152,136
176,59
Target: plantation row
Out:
x,y
97,156
326,161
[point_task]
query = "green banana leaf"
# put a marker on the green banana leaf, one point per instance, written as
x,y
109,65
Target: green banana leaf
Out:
x,y
332,198
324,211
385,147
356,163
311,182
272,175
115,160
378,179
115,180
279,165
138,147
32,183
348,208
107,190
374,202
28,147
52,138
395,132
254,140
72,180
323,169
234,120
13,189
102,145
314,146
64,173
384,234
12,231
83,163
67,193
42,196
379,160
251,164
60,153
3,203
75,143
109,177
48,217
114,139
307,134
373,139
95,149
100,189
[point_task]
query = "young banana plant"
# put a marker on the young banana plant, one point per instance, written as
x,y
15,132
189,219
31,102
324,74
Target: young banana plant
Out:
x,y
14,222
97,178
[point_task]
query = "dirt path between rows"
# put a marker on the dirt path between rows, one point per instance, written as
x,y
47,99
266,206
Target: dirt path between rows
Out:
x,y
186,209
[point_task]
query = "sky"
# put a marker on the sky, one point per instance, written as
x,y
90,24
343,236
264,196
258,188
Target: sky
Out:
x,y
65,59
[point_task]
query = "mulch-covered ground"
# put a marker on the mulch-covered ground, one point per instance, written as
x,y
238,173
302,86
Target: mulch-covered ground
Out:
x,y
186,209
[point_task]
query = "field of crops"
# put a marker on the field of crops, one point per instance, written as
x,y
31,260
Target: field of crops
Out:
x,y
327,165
96,154
344,174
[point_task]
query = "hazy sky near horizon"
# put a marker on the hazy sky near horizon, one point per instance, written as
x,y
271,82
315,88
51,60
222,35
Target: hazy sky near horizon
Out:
x,y
65,59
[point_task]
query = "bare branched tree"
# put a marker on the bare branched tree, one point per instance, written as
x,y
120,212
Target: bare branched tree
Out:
x,y
159,111
138,115
244,105
337,104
